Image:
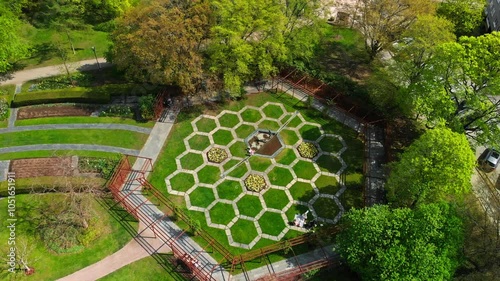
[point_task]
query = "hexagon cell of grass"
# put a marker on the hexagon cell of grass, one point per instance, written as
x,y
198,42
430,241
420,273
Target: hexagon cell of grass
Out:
x,y
330,144
191,161
199,142
289,137
302,191
329,163
327,184
251,115
205,124
276,199
249,205
238,172
304,169
295,122
296,209
269,125
310,132
244,130
202,197
326,208
259,163
244,231
229,120
238,149
273,111
209,174
271,223
222,137
182,182
280,176
286,157
221,213
229,189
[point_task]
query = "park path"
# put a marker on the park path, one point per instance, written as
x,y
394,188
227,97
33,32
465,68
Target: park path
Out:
x,y
77,126
22,76
93,147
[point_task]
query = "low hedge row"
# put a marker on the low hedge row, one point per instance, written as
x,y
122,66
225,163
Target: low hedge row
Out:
x,y
98,95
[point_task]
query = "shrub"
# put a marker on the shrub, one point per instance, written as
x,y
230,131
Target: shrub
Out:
x,y
103,166
307,150
146,107
4,109
76,95
255,183
117,111
216,155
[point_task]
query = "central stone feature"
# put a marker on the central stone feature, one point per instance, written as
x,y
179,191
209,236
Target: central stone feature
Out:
x,y
265,143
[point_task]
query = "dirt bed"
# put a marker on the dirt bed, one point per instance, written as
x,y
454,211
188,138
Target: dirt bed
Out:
x,y
53,111
44,167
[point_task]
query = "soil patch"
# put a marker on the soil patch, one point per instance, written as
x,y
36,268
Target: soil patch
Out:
x,y
270,147
54,111
43,167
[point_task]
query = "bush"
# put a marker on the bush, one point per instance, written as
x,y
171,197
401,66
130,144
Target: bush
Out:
x,y
117,111
4,109
76,95
255,183
103,166
216,155
307,150
146,107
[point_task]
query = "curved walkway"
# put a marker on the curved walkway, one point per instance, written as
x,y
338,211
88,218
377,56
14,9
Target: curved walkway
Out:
x,y
35,147
103,126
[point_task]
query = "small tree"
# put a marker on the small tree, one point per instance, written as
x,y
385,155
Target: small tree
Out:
x,y
146,106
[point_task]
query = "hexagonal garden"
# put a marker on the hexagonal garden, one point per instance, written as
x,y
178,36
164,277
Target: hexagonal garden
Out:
x,y
202,169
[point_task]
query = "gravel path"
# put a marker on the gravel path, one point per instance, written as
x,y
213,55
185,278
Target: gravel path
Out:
x,y
102,126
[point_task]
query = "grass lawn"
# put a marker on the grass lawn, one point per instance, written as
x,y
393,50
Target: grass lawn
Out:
x,y
83,120
45,51
145,269
118,138
48,153
5,123
51,266
28,185
7,92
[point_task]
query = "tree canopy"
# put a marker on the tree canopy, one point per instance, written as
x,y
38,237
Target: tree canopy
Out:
x,y
402,244
12,47
466,15
459,85
160,43
438,164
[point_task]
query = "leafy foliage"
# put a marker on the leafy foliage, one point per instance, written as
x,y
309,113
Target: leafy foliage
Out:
x,y
4,109
216,155
466,15
402,244
307,150
12,47
103,166
255,183
437,165
146,106
117,110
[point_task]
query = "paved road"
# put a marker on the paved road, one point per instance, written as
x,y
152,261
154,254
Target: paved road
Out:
x,y
30,74
102,126
36,147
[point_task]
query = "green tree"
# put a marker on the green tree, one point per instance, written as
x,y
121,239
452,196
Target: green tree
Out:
x,y
459,85
161,43
402,244
437,165
466,15
247,41
383,21
12,47
98,11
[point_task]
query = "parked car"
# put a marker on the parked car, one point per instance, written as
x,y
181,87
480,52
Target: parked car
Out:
x,y
490,161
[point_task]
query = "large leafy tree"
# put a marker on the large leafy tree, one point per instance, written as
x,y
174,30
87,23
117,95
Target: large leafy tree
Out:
x,y
437,165
402,244
12,47
459,87
160,43
466,15
383,21
246,41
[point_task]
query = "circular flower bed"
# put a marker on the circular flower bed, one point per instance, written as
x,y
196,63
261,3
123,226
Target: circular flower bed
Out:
x,y
307,150
216,155
255,183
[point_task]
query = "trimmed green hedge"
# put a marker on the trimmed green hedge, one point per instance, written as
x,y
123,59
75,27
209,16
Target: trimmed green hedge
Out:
x,y
100,94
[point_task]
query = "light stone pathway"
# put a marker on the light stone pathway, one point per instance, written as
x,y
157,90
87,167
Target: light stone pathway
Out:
x,y
75,126
36,147
293,169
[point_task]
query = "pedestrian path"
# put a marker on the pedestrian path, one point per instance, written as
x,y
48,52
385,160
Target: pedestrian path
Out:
x,y
37,147
75,126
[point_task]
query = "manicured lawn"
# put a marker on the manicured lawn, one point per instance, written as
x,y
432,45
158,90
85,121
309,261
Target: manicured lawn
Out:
x,y
229,189
83,120
305,170
302,191
221,213
259,163
191,161
327,184
48,153
276,199
272,223
280,176
51,266
45,52
5,123
145,269
202,197
205,125
251,115
222,137
244,231
7,92
209,174
249,205
273,111
286,156
117,138
229,120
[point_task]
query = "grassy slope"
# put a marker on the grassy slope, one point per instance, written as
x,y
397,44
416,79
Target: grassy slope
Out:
x,y
145,269
117,138
81,119
51,266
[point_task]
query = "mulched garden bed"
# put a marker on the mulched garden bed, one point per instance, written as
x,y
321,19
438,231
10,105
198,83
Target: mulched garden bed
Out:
x,y
54,111
270,147
43,167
